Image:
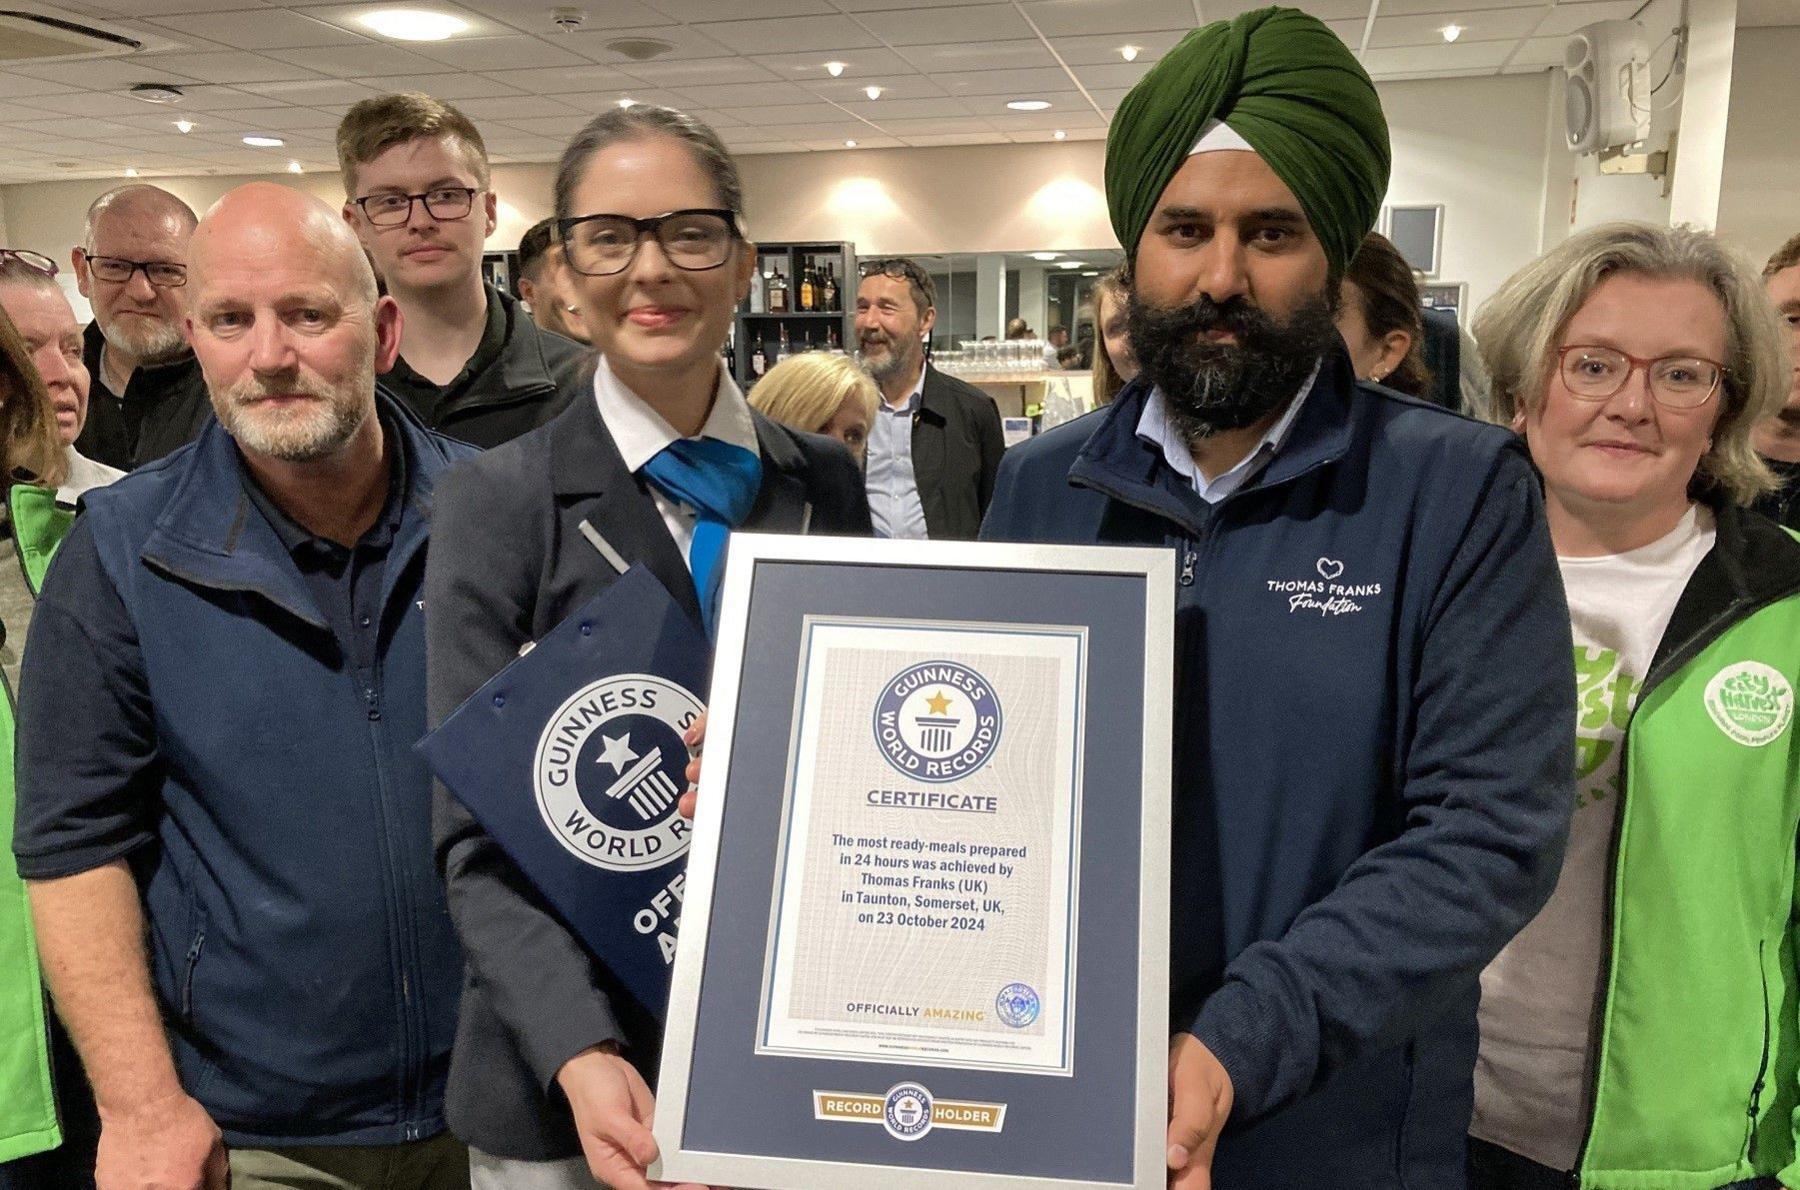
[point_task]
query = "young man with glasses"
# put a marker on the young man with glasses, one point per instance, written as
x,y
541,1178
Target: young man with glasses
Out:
x,y
148,395
472,363
936,442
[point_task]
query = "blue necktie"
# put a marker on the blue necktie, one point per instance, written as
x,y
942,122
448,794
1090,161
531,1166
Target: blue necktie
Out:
x,y
719,482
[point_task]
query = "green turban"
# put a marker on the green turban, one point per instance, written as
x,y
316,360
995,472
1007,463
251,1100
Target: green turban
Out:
x,y
1285,83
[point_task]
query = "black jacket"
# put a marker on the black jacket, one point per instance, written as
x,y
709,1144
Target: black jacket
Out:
x,y
532,378
956,448
161,409
508,562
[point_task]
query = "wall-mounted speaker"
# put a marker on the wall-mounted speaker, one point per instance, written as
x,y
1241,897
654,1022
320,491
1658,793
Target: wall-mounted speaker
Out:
x,y
1607,98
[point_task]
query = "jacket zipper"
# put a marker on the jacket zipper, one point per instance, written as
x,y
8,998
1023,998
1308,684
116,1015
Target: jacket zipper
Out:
x,y
1733,612
1762,1065
187,975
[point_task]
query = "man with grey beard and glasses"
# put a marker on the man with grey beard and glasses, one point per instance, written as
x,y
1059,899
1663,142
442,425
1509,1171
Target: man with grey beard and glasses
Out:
x,y
148,394
936,441
222,823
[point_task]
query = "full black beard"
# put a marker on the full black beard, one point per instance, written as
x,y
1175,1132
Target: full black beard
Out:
x,y
1211,387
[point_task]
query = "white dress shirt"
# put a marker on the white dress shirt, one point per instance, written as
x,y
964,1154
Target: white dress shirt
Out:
x,y
1156,428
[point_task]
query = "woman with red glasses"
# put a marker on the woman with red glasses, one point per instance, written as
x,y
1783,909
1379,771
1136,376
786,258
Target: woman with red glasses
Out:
x,y
1642,1031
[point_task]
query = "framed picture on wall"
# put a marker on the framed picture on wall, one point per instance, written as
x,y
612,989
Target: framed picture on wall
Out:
x,y
1418,232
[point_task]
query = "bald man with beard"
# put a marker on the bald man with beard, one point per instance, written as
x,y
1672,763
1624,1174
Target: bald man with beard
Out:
x,y
221,819
148,394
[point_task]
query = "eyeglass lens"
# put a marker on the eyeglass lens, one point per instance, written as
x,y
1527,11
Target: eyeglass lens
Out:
x,y
606,244
161,274
1676,381
391,210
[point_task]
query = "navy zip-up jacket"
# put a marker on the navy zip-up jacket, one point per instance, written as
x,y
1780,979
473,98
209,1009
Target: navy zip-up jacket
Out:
x,y
193,713
1373,766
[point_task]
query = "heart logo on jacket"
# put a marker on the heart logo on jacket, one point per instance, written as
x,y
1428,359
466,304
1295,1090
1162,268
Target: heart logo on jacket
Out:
x,y
1328,569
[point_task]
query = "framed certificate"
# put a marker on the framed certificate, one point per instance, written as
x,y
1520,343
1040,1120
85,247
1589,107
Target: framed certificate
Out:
x,y
925,934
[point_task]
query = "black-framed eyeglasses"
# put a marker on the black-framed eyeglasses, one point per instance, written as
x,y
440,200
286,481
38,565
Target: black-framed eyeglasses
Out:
x,y
443,203
37,262
694,239
1594,373
117,270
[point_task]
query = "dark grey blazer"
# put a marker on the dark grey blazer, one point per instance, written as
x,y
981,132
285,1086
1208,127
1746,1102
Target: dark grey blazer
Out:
x,y
507,563
956,448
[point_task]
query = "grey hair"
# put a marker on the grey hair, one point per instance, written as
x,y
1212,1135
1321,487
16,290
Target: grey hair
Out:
x,y
1519,327
139,196
642,122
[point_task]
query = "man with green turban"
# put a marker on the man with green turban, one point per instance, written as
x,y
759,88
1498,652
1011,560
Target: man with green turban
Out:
x,y
1372,770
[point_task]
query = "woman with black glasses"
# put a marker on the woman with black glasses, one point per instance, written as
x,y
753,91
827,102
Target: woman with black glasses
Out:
x,y
656,467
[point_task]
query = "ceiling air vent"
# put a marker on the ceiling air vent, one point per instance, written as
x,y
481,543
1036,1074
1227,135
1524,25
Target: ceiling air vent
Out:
x,y
27,36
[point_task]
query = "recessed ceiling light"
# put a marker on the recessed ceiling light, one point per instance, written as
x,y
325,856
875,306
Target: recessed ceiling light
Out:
x,y
1091,273
1029,105
412,24
294,167
1129,52
1044,255
873,92
834,68
131,173
1059,134
184,126
1451,32
1071,264
849,144
263,142
626,102
157,93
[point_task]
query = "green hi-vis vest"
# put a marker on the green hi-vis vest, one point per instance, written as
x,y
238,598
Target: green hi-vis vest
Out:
x,y
1699,1050
27,1103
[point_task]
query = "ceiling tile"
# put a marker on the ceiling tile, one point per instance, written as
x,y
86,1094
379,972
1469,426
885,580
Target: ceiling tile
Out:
x,y
261,29
894,89
102,73
289,119
1537,52
975,55
1107,99
748,95
229,67
1112,75
789,34
688,40
800,113
1416,7
882,110
592,103
509,108
931,140
862,6
1103,49
957,124
318,92
501,53
1072,117
1325,10
161,8
558,128
1040,135
1024,84
976,22
694,11
557,80
612,19
362,61
21,84
1762,14
452,88
1500,24
701,72
1473,55
1564,19
1067,18
85,103
865,64
870,141
476,24
720,119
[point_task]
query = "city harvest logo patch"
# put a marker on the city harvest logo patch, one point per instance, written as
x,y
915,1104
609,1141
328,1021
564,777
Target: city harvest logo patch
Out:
x,y
937,721
907,1111
1324,595
1751,702
610,766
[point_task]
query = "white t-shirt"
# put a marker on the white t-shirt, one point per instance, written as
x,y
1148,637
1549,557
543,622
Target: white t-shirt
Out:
x,y
1533,1077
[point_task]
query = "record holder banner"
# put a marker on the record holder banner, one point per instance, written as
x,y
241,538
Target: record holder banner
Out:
x,y
925,940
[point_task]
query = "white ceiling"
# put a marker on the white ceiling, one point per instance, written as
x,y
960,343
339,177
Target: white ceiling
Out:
x,y
754,69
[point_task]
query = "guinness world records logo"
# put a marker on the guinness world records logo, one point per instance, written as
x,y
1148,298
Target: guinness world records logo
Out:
x,y
609,767
937,721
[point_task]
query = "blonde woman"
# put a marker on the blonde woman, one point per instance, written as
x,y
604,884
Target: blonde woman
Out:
x,y
821,393
1114,364
1641,1030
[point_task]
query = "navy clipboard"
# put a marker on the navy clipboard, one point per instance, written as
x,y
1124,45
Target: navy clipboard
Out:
x,y
572,759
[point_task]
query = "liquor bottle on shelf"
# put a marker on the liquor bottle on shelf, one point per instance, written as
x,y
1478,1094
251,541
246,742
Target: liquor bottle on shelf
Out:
x,y
831,337
778,293
758,291
759,363
830,303
808,291
782,349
